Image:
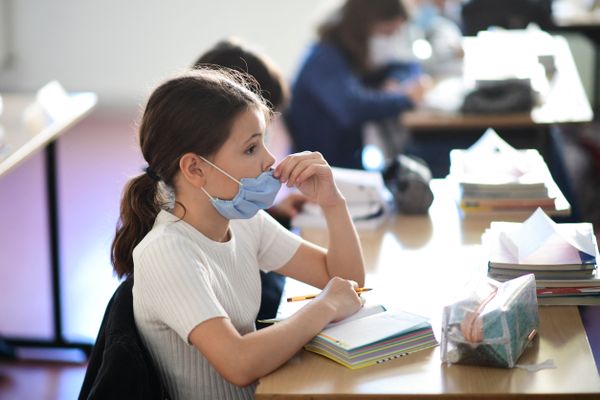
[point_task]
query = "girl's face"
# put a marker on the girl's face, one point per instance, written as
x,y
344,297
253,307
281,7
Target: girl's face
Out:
x,y
243,155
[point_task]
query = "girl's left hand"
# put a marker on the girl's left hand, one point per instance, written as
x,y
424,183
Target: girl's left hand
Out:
x,y
311,174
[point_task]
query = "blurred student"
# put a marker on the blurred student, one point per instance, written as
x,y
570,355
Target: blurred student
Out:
x,y
349,77
193,234
233,54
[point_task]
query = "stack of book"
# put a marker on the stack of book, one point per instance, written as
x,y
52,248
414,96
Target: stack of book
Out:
x,y
374,339
493,177
561,256
371,336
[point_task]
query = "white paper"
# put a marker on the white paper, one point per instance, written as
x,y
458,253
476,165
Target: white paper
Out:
x,y
539,240
492,161
55,101
492,155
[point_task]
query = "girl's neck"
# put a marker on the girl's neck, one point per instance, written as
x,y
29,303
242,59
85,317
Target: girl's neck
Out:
x,y
206,220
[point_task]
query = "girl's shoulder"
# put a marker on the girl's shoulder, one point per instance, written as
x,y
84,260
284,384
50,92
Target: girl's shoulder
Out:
x,y
168,231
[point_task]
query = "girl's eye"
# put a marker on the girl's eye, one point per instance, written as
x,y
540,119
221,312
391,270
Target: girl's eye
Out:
x,y
250,150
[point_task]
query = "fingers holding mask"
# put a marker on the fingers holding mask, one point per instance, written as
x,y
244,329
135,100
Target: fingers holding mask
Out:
x,y
311,174
292,166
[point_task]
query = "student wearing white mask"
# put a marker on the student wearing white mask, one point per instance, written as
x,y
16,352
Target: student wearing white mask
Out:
x,y
350,77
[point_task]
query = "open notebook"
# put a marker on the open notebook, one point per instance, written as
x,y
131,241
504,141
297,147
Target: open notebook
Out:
x,y
371,336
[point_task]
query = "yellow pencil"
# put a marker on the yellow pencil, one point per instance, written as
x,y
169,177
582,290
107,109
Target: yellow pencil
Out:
x,y
312,296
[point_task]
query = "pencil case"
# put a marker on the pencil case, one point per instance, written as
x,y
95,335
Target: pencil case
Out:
x,y
493,325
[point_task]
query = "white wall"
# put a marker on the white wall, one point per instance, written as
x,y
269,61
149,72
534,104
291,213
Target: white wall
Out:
x,y
120,48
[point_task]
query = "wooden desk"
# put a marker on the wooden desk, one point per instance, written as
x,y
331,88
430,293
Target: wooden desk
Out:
x,y
565,102
419,263
27,128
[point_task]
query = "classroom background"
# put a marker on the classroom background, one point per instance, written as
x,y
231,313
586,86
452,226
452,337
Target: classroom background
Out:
x,y
119,50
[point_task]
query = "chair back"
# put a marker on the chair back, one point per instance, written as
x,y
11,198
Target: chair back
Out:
x,y
120,365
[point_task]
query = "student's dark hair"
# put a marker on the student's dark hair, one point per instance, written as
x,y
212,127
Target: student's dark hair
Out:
x,y
350,25
231,53
191,113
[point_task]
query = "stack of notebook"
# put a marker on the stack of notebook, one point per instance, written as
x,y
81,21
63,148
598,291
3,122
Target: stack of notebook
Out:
x,y
374,339
372,335
494,177
561,256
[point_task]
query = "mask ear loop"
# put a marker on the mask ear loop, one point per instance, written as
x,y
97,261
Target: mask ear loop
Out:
x,y
222,171
206,193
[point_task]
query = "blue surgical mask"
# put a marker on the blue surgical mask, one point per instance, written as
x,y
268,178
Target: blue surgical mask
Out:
x,y
253,195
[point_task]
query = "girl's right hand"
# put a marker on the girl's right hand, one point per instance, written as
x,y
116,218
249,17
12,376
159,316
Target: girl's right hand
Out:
x,y
341,296
311,174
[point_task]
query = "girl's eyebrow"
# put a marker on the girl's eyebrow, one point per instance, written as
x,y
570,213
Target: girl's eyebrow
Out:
x,y
253,136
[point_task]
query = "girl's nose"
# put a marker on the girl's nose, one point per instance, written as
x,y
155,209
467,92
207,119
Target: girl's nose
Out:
x,y
269,160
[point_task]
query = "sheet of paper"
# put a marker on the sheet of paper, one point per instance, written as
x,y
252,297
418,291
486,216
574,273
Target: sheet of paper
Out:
x,y
539,240
493,155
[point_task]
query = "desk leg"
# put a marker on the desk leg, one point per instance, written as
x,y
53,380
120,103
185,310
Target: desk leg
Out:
x,y
52,199
596,91
53,231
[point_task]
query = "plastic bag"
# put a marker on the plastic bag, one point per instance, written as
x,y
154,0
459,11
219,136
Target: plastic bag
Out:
x,y
493,325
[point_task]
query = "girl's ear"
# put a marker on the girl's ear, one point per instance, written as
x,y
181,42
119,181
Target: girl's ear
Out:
x,y
193,170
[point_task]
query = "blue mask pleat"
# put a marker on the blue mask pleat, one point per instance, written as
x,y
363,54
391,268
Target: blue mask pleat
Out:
x,y
254,194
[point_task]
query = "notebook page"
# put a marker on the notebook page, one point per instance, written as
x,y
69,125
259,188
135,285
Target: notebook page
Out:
x,y
376,327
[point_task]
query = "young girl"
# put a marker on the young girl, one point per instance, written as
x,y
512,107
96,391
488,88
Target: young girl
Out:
x,y
236,55
193,235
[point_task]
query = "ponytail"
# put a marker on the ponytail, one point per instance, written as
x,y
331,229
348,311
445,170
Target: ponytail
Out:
x,y
139,208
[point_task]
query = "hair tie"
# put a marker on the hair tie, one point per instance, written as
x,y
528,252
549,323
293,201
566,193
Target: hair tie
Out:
x,y
153,175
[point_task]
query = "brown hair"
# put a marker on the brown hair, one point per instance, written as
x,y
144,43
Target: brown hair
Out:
x,y
349,27
231,53
192,112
